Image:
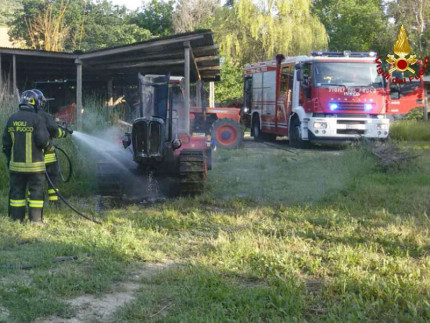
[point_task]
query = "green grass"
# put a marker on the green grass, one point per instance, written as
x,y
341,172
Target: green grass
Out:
x,y
411,130
279,235
347,242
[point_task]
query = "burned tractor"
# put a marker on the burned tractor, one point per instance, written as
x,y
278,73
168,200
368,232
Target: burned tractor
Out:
x,y
159,144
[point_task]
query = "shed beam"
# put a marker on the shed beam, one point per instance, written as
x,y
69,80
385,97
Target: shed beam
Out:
x,y
35,53
204,49
110,91
78,63
15,88
207,58
210,68
138,65
135,59
194,64
212,94
187,58
146,45
1,77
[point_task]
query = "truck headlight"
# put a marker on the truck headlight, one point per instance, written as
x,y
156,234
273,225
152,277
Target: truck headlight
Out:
x,y
320,125
382,126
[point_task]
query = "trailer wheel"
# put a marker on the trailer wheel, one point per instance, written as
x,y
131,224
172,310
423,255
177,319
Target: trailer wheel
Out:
x,y
256,131
228,133
295,134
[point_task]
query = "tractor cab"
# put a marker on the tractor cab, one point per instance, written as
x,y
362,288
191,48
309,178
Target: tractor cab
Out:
x,y
155,133
161,144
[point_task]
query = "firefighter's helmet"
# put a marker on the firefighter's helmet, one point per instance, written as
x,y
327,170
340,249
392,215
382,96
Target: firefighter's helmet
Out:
x,y
42,99
30,98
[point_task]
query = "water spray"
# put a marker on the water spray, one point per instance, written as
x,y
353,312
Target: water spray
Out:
x,y
65,180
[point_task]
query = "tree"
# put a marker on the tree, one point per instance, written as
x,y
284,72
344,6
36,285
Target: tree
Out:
x,y
7,8
357,25
250,31
84,25
231,85
194,14
415,17
48,30
156,16
106,25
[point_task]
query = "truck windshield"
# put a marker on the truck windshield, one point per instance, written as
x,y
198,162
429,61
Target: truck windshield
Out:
x,y
347,74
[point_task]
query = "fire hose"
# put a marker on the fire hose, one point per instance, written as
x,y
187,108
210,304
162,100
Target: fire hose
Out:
x,y
65,180
69,162
62,198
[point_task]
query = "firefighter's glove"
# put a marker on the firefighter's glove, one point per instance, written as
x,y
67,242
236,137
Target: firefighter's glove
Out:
x,y
62,131
50,149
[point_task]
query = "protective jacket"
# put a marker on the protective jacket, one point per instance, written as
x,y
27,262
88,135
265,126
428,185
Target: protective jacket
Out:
x,y
54,132
24,139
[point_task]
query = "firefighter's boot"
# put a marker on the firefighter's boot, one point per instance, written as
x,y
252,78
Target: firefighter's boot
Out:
x,y
17,213
36,216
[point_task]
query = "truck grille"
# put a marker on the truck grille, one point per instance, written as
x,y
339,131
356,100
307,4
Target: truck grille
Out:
x,y
154,138
351,106
140,142
147,138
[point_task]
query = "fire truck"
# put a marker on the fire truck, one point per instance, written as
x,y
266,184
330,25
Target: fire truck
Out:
x,y
324,97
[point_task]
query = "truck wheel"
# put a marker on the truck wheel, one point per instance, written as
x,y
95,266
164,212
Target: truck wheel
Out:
x,y
256,132
295,135
228,133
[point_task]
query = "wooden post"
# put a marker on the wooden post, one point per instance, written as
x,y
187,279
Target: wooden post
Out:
x,y
15,88
212,94
199,98
78,63
199,94
426,102
187,86
1,78
110,91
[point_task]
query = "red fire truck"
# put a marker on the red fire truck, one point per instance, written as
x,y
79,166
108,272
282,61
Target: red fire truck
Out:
x,y
325,97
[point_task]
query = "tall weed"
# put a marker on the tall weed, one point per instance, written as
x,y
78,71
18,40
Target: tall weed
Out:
x,y
410,130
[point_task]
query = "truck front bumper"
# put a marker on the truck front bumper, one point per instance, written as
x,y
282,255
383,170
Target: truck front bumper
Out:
x,y
344,128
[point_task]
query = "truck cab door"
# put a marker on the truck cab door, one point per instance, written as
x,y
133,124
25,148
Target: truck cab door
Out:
x,y
405,96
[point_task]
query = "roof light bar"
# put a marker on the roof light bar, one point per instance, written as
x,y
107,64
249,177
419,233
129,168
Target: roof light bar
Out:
x,y
346,53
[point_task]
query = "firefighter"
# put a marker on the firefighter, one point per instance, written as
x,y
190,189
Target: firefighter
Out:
x,y
55,131
24,139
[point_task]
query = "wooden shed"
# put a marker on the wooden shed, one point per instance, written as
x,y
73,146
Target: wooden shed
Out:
x,y
193,55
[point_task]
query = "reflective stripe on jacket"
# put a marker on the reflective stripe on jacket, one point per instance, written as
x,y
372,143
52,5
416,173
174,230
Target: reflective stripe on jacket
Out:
x,y
24,139
50,158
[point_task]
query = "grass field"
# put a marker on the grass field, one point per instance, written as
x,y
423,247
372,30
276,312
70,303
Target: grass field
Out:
x,y
279,235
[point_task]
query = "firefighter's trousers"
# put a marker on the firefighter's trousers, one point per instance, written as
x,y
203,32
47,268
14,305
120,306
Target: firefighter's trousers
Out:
x,y
20,184
52,171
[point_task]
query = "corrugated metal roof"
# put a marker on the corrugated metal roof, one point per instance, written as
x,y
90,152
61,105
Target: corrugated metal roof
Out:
x,y
154,56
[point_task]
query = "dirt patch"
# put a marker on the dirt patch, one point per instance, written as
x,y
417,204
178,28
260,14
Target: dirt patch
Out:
x,y
90,308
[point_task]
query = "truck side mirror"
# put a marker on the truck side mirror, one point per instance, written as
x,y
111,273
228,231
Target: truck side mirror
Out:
x,y
395,93
300,75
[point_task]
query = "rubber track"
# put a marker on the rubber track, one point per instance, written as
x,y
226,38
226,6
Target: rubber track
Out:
x,y
192,172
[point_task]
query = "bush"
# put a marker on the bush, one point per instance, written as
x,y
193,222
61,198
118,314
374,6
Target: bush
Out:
x,y
415,114
410,130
